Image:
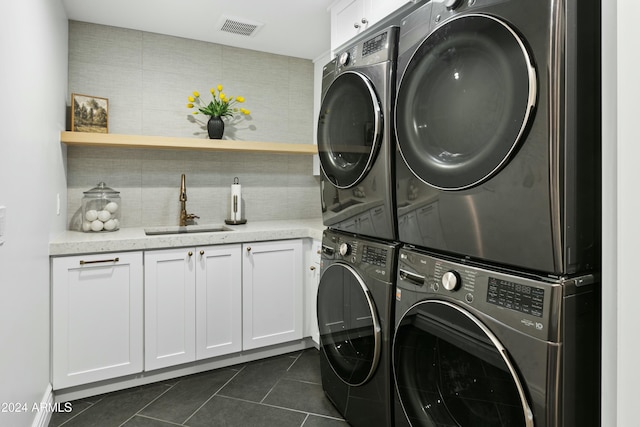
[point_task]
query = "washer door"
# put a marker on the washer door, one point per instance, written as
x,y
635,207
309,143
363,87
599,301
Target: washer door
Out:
x,y
464,101
349,129
450,370
350,334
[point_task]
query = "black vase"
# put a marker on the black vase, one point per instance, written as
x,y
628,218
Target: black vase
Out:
x,y
215,127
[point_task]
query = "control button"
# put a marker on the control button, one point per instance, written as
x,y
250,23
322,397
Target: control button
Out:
x,y
469,298
452,4
344,249
344,58
451,280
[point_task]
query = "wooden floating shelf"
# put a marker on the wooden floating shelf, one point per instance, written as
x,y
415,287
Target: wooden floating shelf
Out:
x,y
174,143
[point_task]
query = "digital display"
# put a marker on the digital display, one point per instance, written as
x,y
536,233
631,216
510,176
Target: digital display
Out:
x,y
374,256
515,296
374,45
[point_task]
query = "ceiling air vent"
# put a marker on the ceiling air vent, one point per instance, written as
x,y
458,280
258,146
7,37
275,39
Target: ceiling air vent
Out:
x,y
239,26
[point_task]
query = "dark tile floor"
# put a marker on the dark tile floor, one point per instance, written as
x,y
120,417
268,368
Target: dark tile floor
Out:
x,y
279,391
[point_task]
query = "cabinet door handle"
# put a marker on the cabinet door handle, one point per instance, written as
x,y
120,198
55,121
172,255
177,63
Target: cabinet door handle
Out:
x,y
356,25
201,253
364,21
83,262
190,253
248,248
312,268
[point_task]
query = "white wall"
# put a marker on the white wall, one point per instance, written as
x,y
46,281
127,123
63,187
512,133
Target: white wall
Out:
x,y
621,212
33,84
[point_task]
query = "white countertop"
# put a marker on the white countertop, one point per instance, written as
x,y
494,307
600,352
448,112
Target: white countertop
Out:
x,y
134,239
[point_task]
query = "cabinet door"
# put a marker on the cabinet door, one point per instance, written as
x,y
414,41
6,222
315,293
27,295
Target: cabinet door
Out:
x,y
347,20
169,307
97,308
312,278
218,300
272,293
381,8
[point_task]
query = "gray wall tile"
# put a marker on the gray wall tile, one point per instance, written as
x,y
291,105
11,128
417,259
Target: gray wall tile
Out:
x,y
147,78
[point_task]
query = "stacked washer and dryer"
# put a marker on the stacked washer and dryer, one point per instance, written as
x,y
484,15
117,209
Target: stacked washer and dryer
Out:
x,y
461,190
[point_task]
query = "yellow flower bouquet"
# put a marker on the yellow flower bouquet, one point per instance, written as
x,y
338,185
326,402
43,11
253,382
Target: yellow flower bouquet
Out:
x,y
219,106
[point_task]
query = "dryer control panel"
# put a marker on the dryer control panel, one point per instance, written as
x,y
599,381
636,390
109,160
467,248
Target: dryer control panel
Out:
x,y
375,49
376,258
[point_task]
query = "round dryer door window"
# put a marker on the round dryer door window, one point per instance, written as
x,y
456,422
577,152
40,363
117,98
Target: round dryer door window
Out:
x,y
349,129
350,334
450,370
464,102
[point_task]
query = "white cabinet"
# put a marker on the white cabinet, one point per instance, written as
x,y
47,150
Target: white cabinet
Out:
x,y
97,309
350,17
170,307
192,304
218,301
312,252
272,291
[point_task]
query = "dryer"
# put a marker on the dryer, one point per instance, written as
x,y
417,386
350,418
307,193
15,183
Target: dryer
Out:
x,y
497,120
355,137
480,347
355,319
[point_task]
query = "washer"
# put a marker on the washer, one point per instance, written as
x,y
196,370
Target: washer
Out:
x,y
355,134
498,127
355,318
480,347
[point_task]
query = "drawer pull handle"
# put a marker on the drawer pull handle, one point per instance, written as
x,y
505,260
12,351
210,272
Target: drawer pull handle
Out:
x,y
249,249
190,253
201,253
83,262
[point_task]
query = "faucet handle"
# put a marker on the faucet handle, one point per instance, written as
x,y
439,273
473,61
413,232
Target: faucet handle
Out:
x,y
192,216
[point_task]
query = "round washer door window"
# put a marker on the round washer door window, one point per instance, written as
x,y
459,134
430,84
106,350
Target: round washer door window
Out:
x,y
464,102
349,129
350,334
450,370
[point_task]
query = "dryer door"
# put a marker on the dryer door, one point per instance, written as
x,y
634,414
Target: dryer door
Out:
x,y
464,101
349,129
350,333
450,370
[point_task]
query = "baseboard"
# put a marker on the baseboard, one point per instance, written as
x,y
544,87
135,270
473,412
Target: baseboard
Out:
x,y
43,415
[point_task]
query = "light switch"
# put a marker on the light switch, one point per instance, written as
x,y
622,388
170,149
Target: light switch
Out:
x,y
3,223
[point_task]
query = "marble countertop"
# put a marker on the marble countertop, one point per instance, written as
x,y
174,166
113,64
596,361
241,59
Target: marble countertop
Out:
x,y
135,239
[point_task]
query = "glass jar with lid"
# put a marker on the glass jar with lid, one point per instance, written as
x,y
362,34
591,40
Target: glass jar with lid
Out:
x,y
101,207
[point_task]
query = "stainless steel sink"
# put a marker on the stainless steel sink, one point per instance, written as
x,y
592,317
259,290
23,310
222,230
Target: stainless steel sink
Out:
x,y
189,229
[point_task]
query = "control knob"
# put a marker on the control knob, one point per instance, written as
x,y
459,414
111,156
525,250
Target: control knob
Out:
x,y
452,4
344,249
451,280
344,58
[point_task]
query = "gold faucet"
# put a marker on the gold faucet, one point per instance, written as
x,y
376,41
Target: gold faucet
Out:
x,y
184,216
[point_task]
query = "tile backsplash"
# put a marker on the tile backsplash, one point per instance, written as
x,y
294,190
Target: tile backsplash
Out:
x,y
147,78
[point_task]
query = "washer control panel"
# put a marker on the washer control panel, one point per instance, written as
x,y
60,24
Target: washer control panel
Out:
x,y
520,302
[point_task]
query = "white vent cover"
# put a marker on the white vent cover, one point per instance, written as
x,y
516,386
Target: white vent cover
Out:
x,y
239,26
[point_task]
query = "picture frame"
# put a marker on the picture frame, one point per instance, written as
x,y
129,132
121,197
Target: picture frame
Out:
x,y
89,113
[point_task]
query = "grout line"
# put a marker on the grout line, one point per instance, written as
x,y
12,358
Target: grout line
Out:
x,y
305,420
214,394
153,400
294,362
157,419
270,390
283,407
81,412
